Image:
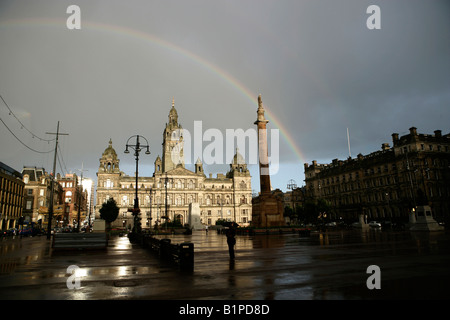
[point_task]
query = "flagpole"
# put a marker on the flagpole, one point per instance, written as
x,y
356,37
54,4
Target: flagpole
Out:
x,y
348,141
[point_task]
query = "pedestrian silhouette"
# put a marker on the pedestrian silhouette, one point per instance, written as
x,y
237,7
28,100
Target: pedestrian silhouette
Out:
x,y
231,241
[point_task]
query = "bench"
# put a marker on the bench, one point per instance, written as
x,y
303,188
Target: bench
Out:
x,y
80,240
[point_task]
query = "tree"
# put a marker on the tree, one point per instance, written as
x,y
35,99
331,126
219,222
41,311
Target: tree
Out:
x,y
313,210
109,211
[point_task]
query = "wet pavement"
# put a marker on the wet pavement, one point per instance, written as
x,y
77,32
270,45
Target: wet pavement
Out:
x,y
325,266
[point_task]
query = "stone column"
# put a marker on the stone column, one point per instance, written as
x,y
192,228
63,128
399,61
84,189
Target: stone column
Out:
x,y
261,122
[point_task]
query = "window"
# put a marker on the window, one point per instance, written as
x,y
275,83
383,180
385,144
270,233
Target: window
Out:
x,y
109,184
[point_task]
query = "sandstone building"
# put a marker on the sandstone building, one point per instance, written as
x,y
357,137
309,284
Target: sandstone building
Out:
x,y
11,197
389,183
38,185
75,199
227,196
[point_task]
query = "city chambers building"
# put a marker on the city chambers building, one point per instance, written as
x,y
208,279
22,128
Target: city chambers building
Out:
x,y
389,183
173,189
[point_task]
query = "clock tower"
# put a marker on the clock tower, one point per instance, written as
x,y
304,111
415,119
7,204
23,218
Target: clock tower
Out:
x,y
172,142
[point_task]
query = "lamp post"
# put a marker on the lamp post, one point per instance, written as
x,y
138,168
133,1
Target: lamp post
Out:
x,y
291,186
137,149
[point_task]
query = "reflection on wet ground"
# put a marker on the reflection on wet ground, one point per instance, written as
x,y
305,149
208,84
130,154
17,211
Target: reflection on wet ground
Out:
x,y
326,265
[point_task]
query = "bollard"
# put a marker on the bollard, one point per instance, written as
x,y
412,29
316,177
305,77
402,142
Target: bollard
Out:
x,y
164,248
186,255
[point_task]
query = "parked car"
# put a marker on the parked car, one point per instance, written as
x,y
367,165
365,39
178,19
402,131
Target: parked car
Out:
x,y
374,224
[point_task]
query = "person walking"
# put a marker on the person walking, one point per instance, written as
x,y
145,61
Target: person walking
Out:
x,y
231,241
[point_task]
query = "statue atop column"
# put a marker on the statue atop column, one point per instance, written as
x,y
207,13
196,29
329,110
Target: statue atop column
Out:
x,y
267,209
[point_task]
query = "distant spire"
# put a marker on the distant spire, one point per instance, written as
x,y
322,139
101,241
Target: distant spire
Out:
x,y
173,102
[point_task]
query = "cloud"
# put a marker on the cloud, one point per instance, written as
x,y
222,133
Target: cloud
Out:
x,y
318,68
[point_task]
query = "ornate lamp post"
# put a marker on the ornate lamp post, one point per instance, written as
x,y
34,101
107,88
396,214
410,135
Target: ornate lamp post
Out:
x,y
137,149
291,186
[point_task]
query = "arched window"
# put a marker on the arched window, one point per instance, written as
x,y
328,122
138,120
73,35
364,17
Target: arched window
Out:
x,y
68,198
109,184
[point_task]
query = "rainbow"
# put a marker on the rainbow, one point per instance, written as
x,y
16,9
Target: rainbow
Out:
x,y
129,32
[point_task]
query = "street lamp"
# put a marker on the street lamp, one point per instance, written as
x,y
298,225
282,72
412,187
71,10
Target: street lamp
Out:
x,y
137,149
291,186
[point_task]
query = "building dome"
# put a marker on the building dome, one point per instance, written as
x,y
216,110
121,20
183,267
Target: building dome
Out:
x,y
109,161
238,158
109,152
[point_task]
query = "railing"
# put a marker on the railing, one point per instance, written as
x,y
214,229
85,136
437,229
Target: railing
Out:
x,y
182,254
